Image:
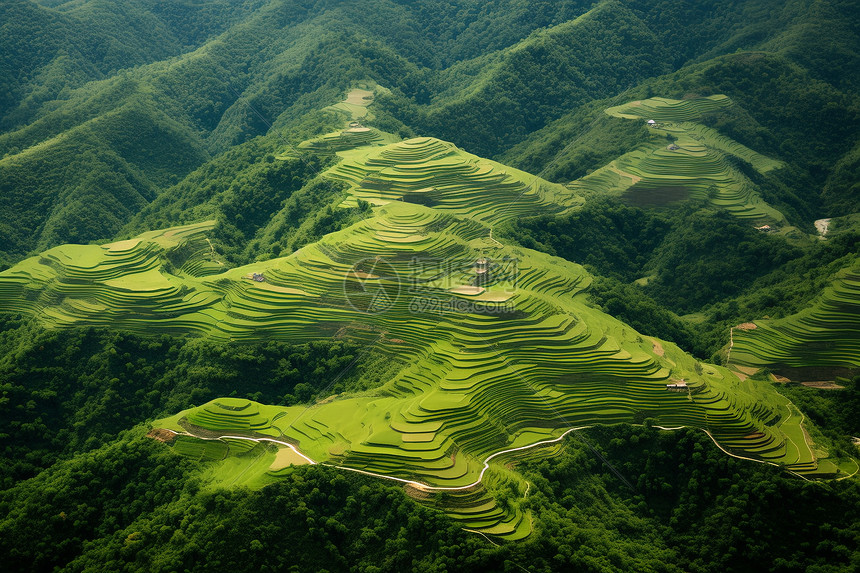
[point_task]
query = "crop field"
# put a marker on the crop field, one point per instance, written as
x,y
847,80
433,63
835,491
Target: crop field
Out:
x,y
354,134
348,138
357,100
434,173
824,335
504,351
686,159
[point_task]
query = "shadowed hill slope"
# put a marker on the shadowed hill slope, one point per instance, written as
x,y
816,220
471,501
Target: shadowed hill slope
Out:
x,y
824,337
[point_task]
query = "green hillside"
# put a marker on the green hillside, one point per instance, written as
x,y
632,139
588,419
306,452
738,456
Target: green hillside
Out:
x,y
821,339
48,191
504,351
425,285
777,110
50,48
221,73
686,160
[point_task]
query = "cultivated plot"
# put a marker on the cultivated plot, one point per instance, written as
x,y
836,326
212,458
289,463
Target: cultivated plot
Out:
x,y
505,354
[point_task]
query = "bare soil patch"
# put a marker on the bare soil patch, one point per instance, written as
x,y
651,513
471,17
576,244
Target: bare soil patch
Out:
x,y
287,457
359,97
744,372
328,399
163,435
823,385
634,178
417,493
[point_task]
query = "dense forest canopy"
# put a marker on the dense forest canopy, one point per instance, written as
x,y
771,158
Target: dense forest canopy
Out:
x,y
118,119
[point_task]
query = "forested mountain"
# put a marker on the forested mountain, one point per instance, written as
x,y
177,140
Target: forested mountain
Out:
x,y
185,184
206,76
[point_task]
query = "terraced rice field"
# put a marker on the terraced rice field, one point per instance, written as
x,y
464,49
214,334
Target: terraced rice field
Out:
x,y
356,101
119,285
686,159
354,134
662,109
342,140
824,336
434,173
499,359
